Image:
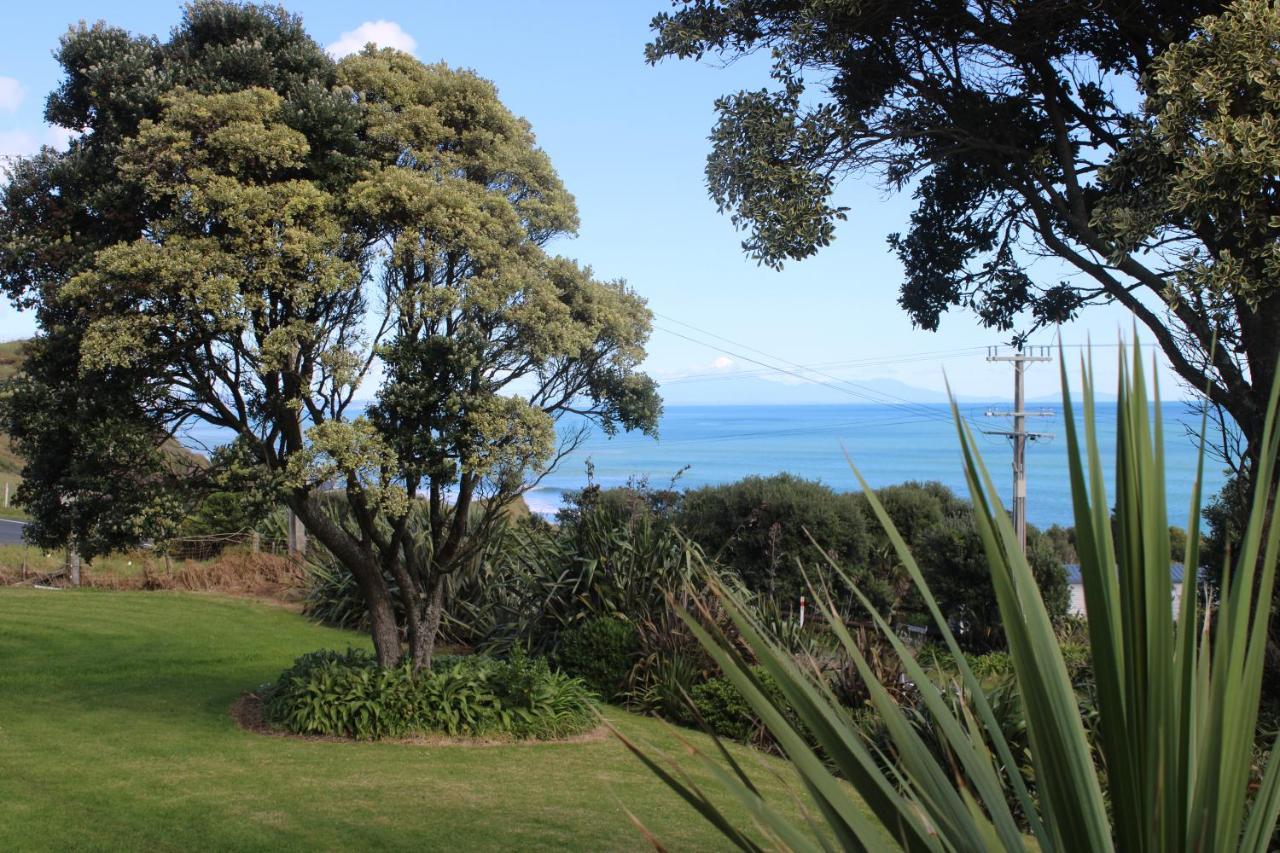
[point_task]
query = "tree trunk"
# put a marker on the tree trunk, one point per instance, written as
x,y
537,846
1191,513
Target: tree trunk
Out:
x,y
425,642
364,567
382,615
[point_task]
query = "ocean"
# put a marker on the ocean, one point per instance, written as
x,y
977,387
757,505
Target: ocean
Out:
x,y
890,444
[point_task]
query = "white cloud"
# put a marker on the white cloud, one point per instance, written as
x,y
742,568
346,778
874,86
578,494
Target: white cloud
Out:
x,y
24,143
17,143
722,363
381,33
59,137
10,94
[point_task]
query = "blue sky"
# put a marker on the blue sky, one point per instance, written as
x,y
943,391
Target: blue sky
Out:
x,y
629,141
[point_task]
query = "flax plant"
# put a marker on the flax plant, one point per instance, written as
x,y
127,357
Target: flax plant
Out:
x,y
1167,767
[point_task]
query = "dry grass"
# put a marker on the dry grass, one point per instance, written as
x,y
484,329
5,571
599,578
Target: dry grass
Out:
x,y
234,572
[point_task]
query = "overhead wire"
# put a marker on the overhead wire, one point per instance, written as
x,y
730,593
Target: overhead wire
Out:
x,y
938,355
822,429
866,392
838,384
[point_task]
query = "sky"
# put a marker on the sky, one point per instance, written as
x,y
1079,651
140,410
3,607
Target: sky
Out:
x,y
630,141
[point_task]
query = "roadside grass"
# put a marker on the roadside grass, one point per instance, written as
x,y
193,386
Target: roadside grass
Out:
x,y
10,479
38,561
235,570
115,733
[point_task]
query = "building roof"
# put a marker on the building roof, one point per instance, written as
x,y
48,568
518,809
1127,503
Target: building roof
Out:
x,y
1073,572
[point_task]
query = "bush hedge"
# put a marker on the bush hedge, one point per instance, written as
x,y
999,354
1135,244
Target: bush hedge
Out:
x,y
346,694
600,651
761,527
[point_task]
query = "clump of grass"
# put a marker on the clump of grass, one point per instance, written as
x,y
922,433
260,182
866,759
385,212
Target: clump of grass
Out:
x,y
350,695
236,571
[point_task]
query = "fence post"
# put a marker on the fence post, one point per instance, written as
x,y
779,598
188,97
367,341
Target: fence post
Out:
x,y
73,562
255,541
297,536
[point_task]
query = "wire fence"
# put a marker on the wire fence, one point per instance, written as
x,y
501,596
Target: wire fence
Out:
x,y
244,562
209,547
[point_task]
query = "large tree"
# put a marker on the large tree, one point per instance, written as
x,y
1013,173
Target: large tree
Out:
x,y
296,228
93,441
1133,141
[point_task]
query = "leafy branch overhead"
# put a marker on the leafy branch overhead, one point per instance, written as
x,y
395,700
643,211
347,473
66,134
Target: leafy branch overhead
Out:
x,y
1134,144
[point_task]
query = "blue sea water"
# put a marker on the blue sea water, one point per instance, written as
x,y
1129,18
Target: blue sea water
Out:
x,y
889,444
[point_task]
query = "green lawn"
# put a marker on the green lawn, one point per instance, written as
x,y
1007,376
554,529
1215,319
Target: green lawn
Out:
x,y
114,733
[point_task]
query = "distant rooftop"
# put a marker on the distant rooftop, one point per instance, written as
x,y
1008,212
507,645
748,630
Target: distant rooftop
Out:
x,y
1073,572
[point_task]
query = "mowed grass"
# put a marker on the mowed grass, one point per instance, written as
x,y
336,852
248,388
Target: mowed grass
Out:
x,y
115,734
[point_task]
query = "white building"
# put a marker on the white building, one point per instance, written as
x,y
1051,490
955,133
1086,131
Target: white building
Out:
x,y
1076,605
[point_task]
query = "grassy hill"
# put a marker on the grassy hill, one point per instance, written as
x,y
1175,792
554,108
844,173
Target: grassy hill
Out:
x,y
115,734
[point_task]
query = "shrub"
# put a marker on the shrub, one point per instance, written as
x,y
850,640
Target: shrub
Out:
x,y
662,680
726,713
940,528
724,710
349,695
637,498
991,665
601,565
600,651
760,527
221,512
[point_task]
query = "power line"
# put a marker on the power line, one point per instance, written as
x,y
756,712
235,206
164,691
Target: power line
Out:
x,y
918,409
887,397
906,358
888,421
853,389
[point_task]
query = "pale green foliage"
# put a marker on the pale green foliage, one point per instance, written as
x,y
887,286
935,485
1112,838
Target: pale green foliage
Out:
x,y
1219,120
463,202
1208,156
509,435
1177,700
349,451
242,247
450,126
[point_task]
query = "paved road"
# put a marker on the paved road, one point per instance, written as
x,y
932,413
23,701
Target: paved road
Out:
x,y
11,531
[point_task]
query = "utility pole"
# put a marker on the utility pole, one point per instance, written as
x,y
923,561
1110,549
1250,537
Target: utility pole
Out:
x,y
1019,435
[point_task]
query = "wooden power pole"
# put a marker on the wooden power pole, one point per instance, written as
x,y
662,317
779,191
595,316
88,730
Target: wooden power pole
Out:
x,y
1019,435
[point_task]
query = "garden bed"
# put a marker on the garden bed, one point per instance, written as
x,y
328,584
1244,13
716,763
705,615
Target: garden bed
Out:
x,y
246,712
349,695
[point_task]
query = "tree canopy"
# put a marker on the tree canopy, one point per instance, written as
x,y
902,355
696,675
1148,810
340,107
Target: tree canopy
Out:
x,y
291,229
1133,141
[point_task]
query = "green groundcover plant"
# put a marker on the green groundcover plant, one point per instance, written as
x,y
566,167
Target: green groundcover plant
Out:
x,y
350,695
1177,698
